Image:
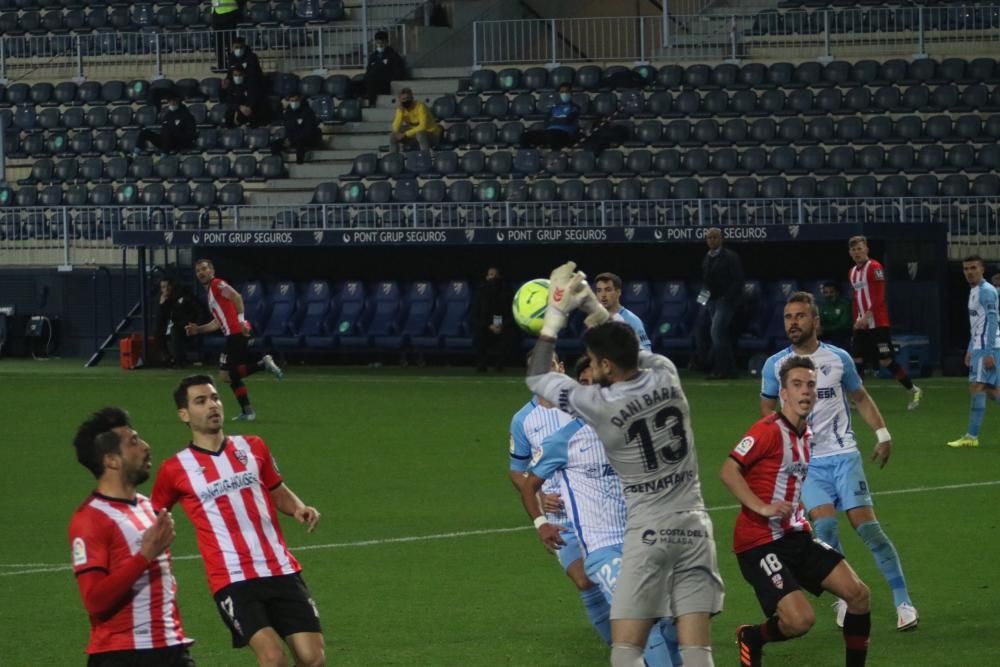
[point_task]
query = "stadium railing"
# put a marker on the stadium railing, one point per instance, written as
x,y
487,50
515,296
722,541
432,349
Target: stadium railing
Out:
x,y
319,48
823,34
973,222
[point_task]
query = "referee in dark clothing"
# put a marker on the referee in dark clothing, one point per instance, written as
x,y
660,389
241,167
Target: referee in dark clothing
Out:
x,y
722,290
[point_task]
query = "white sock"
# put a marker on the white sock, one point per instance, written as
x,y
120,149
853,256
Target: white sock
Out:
x,y
627,655
697,656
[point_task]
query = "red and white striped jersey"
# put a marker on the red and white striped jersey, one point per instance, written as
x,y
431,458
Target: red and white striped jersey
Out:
x,y
226,494
222,308
774,459
868,282
104,533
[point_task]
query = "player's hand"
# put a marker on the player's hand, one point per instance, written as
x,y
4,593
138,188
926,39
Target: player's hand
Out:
x,y
565,283
883,451
989,363
191,329
245,110
783,510
158,537
309,516
551,502
859,323
549,535
245,328
596,313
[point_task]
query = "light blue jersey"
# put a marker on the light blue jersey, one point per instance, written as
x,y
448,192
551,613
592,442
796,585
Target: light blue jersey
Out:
x,y
983,319
628,317
520,446
836,377
590,488
536,425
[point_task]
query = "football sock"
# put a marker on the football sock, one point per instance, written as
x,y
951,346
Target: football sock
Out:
x,y
697,656
598,611
626,655
901,375
770,632
826,531
886,558
667,628
976,412
240,391
656,653
857,628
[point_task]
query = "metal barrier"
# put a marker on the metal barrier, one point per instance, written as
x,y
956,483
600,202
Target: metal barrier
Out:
x,y
823,34
68,235
150,54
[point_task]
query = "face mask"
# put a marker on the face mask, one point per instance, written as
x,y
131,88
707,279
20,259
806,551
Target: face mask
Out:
x,y
237,80
173,107
408,104
295,105
238,53
565,97
379,49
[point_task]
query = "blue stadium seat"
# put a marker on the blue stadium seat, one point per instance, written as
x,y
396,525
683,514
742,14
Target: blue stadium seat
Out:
x,y
315,311
284,304
672,318
418,305
345,315
381,316
637,296
755,315
779,291
452,331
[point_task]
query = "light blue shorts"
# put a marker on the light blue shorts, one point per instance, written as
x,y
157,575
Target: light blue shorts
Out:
x,y
570,551
837,480
979,373
602,567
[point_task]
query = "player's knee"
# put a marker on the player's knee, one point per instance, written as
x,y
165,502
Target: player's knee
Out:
x,y
272,655
858,598
798,621
580,580
626,655
311,659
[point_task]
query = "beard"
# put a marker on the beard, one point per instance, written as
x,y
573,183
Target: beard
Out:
x,y
138,476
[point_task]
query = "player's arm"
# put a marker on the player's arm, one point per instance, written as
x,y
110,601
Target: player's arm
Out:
x,y
989,349
767,405
192,329
530,491
870,413
732,476
769,388
288,503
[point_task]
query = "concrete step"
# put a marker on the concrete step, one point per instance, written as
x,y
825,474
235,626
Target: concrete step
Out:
x,y
426,87
323,170
440,72
289,198
363,127
360,142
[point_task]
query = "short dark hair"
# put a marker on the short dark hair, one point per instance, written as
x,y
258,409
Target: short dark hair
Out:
x,y
566,85
89,442
582,364
609,277
239,40
795,362
806,298
614,341
204,261
236,68
382,35
181,393
854,240
975,258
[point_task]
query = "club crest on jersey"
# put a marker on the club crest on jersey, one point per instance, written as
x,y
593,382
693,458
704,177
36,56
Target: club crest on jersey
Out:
x,y
778,582
824,369
241,456
744,445
879,274
512,445
79,552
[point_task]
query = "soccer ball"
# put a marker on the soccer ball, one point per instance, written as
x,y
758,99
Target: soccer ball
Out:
x,y
529,305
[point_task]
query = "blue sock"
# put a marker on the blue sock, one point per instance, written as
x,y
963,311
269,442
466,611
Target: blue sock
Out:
x,y
886,558
826,531
656,653
598,611
976,414
669,632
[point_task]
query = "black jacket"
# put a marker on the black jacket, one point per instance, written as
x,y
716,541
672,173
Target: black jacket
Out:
x,y
180,124
722,275
492,298
300,123
250,64
245,94
386,66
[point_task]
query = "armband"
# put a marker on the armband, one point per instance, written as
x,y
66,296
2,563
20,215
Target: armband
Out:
x,y
883,435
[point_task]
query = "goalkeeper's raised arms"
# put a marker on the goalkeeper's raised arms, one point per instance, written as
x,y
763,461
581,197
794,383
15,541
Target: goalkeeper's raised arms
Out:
x,y
596,313
565,292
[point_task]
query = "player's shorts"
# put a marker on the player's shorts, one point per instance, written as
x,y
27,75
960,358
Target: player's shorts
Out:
x,y
283,603
795,561
872,345
837,480
569,552
669,568
978,373
235,352
602,567
172,656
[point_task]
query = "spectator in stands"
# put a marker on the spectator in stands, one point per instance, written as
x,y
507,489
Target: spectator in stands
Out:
x,y
493,327
241,55
246,104
178,129
720,296
414,122
385,65
562,129
301,129
225,17
835,316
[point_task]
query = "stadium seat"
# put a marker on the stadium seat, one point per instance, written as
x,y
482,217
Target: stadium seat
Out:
x,y
381,317
417,322
283,298
672,318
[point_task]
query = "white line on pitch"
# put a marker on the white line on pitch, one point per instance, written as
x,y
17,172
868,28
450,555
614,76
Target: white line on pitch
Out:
x,y
35,568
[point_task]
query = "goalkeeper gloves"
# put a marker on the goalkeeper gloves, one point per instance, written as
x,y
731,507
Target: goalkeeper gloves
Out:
x,y
596,313
565,284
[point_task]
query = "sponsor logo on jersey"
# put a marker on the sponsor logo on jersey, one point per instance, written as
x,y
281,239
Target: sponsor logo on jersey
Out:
x,y
664,483
512,445
228,485
79,552
744,446
649,537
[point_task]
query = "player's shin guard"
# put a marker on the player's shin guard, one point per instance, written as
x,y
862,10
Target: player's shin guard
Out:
x,y
598,611
898,372
886,558
240,392
626,655
697,656
857,628
826,531
976,412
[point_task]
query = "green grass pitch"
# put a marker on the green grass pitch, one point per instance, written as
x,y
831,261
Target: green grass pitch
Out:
x,y
424,556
